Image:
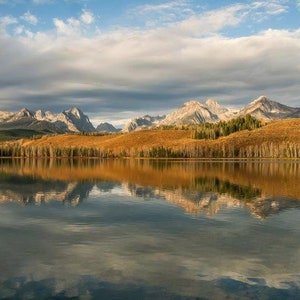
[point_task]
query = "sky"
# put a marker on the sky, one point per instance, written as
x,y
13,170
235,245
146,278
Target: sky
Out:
x,y
117,59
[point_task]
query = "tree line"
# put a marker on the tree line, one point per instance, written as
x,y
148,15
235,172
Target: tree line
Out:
x,y
195,150
224,128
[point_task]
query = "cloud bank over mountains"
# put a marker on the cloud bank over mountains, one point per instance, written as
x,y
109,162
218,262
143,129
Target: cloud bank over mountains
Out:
x,y
183,54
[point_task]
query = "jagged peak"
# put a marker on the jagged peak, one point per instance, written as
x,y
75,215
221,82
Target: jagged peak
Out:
x,y
24,109
261,99
192,103
40,112
75,111
105,123
212,103
25,112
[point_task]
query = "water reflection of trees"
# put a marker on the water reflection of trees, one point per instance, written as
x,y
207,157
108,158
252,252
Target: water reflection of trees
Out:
x,y
214,184
262,187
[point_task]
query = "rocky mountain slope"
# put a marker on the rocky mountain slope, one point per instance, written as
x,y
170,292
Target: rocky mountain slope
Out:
x,y
72,120
106,128
195,112
142,123
266,109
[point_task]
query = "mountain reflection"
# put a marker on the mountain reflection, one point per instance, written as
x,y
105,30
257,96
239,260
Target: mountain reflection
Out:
x,y
264,188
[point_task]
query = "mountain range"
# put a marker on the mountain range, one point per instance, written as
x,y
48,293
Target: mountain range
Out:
x,y
192,112
195,112
72,120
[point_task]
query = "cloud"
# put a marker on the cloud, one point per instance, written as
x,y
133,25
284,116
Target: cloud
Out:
x,y
262,10
19,30
72,26
210,22
87,17
90,248
161,7
162,14
182,11
69,28
133,72
30,18
274,7
6,21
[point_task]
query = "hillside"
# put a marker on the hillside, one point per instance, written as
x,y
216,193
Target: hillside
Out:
x,y
15,134
277,139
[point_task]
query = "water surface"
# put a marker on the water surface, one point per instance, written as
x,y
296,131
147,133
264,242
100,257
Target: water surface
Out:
x,y
147,229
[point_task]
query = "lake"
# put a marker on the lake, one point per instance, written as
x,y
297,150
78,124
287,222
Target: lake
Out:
x,y
149,229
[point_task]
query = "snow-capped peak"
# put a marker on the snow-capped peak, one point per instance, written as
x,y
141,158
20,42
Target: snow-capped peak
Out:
x,y
24,112
191,112
217,109
39,115
75,112
261,99
72,120
266,109
192,103
212,103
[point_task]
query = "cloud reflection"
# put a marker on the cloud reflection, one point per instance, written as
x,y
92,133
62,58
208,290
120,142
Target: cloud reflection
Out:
x,y
113,243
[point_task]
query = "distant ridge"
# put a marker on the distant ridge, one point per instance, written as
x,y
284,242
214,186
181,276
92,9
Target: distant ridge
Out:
x,y
142,123
191,112
107,128
195,112
72,120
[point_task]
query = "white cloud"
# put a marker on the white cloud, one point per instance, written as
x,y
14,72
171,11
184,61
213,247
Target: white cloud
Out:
x,y
87,17
271,7
263,9
143,70
69,28
30,18
72,26
160,7
162,14
211,22
180,11
7,20
19,30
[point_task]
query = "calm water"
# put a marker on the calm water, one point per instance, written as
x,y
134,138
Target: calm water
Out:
x,y
149,230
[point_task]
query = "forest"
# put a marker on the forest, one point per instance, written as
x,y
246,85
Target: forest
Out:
x,y
224,128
